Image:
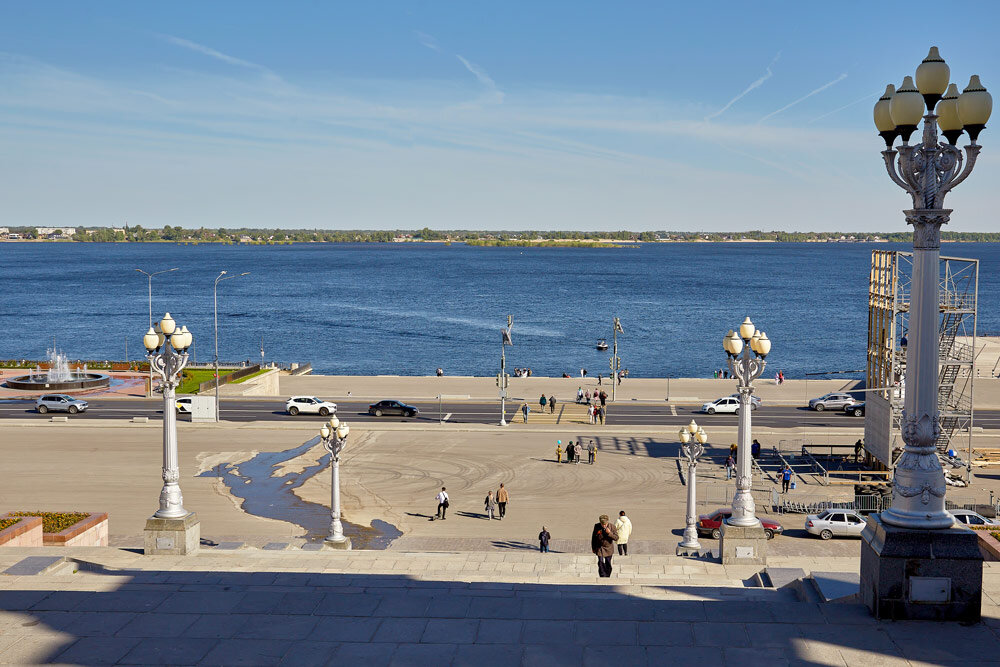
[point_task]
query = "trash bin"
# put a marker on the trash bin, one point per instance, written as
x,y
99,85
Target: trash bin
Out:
x,y
792,486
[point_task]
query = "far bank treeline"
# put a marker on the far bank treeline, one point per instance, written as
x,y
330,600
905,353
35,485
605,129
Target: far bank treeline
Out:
x,y
138,234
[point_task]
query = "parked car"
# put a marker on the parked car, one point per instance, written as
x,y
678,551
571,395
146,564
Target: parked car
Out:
x,y
856,409
390,407
724,404
754,400
60,403
835,522
184,404
310,405
970,518
834,401
710,525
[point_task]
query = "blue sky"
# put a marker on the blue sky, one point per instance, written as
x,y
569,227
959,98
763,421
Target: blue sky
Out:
x,y
557,115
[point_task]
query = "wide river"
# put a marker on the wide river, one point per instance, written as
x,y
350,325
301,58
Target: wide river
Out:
x,y
409,308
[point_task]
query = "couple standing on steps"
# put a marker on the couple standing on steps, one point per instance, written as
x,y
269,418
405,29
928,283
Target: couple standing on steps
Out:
x,y
501,499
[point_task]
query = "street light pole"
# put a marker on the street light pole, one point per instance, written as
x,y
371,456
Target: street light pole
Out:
x,y
149,288
168,364
215,302
333,435
895,543
503,380
616,362
745,368
693,439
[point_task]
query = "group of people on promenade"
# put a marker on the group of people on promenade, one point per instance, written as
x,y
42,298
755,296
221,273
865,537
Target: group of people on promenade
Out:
x,y
574,452
522,372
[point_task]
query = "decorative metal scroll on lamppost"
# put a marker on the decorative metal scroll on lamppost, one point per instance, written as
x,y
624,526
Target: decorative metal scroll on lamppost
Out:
x,y
168,364
693,439
927,172
746,368
333,435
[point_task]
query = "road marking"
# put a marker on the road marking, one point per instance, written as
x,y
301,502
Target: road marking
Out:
x,y
446,417
673,410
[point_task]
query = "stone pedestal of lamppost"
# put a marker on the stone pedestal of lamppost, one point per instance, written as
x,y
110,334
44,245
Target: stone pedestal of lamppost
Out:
x,y
693,439
916,563
334,436
172,530
743,540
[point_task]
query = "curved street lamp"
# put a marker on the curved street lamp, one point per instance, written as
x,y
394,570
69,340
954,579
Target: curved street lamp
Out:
x,y
693,439
333,435
168,364
747,350
927,172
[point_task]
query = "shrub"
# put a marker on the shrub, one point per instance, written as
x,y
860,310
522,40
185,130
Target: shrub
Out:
x,y
56,522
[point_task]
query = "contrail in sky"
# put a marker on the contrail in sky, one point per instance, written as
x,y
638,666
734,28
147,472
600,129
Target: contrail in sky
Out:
x,y
849,104
756,84
803,98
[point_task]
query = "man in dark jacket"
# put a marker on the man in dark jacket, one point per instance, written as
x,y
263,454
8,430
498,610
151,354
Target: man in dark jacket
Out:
x,y
602,542
543,540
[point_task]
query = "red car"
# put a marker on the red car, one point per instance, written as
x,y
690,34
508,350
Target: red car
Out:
x,y
710,525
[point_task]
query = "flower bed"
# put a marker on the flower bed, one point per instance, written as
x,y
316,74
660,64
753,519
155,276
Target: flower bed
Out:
x,y
71,529
19,531
989,541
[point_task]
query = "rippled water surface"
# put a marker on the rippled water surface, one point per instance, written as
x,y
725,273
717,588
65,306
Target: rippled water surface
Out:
x,y
409,308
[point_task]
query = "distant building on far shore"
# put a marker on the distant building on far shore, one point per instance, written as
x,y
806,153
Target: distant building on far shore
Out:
x,y
56,232
4,231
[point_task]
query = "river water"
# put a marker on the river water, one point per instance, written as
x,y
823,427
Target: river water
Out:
x,y
409,308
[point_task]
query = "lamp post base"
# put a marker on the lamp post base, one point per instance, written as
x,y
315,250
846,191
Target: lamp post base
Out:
x,y
172,537
343,544
909,574
743,545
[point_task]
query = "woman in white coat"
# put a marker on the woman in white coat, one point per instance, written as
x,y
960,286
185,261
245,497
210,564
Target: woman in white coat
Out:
x,y
624,527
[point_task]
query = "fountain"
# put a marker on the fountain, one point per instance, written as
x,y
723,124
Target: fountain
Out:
x,y
58,376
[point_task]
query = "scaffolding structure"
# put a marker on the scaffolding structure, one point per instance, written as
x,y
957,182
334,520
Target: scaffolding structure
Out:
x,y
888,323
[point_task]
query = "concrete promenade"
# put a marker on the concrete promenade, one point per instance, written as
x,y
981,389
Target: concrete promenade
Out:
x,y
108,606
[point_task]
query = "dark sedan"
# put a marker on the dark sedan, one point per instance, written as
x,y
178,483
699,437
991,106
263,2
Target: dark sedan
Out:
x,y
392,408
856,409
711,524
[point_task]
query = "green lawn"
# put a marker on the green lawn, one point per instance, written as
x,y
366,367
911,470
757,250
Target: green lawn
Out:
x,y
192,378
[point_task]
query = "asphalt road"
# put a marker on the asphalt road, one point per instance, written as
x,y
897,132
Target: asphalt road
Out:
x,y
469,412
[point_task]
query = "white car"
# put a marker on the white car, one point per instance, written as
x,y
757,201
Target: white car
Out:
x,y
310,405
970,518
184,405
725,404
835,522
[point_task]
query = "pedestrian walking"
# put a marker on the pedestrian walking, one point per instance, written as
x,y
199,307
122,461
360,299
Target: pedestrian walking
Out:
x,y
786,479
569,452
781,375
543,540
715,374
602,543
591,453
586,396
777,378
755,449
491,505
732,450
524,412
579,394
857,449
552,403
604,398
730,467
624,527
443,503
502,499
558,453
541,402
591,413
600,414
599,377
577,452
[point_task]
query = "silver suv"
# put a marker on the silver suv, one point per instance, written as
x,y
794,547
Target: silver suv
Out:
x,y
834,401
60,403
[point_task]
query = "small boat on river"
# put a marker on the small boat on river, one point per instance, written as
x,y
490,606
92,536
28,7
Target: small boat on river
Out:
x,y
602,345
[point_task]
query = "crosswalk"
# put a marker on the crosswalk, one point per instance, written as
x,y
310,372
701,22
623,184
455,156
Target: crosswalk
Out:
x,y
564,413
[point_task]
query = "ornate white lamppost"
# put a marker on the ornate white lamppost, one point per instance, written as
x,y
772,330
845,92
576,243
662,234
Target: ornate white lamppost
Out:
x,y
914,563
693,439
171,529
503,380
333,435
743,539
